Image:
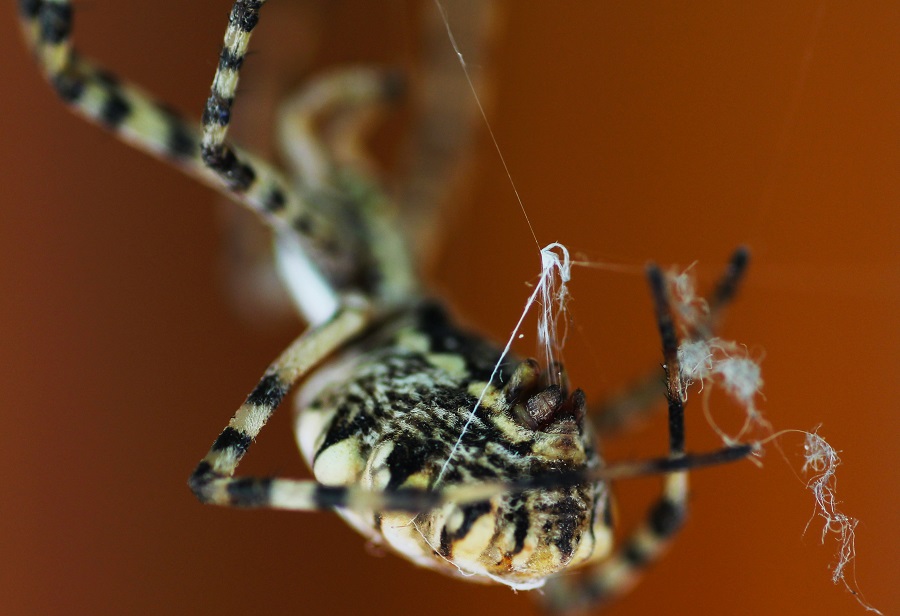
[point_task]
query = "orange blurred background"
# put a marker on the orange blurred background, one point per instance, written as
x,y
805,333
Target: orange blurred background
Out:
x,y
632,133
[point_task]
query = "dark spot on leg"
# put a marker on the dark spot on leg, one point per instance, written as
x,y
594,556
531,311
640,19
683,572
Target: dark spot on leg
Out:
x,y
230,61
217,110
232,439
249,492
200,479
245,14
326,497
238,176
115,110
275,200
268,393
56,22
180,143
635,556
665,518
29,8
68,87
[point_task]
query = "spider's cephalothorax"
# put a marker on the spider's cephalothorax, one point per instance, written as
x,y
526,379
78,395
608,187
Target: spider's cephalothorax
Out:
x,y
412,433
387,416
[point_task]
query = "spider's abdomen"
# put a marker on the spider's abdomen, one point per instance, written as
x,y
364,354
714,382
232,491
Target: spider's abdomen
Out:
x,y
389,416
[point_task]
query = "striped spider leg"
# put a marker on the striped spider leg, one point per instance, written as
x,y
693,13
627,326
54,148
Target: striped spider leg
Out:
x,y
618,573
421,434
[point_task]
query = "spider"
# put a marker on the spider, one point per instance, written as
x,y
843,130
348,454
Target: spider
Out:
x,y
420,433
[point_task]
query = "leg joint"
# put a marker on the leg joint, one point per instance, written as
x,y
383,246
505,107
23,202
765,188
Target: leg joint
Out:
x,y
201,480
223,161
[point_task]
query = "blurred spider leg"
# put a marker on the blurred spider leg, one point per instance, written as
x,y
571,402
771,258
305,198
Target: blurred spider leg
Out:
x,y
621,571
438,153
321,127
640,400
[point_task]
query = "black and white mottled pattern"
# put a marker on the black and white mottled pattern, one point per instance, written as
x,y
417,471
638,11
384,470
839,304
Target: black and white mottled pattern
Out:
x,y
412,434
392,421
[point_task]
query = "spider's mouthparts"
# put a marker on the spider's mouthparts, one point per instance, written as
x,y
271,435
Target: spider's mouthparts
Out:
x,y
541,406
